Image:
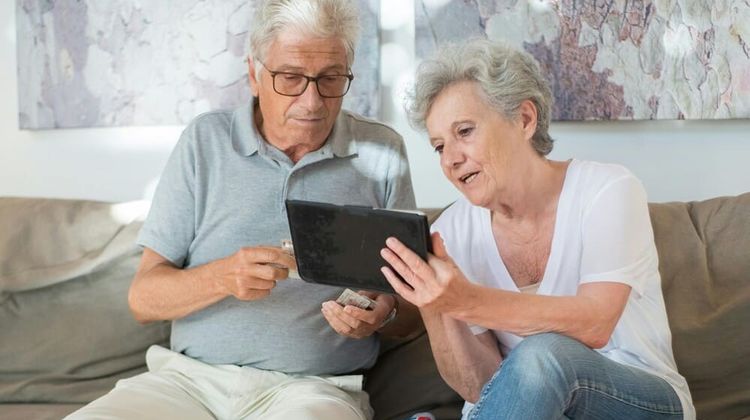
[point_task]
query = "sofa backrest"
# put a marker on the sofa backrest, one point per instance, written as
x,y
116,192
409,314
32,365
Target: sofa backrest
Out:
x,y
704,261
67,334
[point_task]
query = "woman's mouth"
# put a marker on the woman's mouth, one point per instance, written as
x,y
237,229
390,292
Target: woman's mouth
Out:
x,y
466,179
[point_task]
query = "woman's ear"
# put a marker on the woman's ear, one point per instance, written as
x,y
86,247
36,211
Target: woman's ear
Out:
x,y
528,116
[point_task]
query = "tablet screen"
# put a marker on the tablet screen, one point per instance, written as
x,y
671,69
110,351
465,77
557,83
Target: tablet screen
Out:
x,y
340,245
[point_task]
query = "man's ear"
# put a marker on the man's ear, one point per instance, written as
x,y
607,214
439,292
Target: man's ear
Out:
x,y
254,88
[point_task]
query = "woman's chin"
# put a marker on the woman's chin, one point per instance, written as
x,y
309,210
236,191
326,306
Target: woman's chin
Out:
x,y
479,200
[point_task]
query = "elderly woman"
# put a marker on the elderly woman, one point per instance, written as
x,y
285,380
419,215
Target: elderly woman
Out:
x,y
543,298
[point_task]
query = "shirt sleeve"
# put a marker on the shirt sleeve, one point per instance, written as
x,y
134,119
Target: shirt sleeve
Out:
x,y
618,240
399,190
169,228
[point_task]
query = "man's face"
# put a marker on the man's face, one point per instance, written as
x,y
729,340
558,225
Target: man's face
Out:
x,y
298,123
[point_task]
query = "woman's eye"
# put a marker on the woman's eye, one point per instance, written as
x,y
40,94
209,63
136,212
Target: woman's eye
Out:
x,y
438,149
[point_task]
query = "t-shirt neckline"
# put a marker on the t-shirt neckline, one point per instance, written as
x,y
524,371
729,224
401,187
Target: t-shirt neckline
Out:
x,y
495,262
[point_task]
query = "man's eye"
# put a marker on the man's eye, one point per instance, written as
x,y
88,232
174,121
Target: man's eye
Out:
x,y
291,77
465,131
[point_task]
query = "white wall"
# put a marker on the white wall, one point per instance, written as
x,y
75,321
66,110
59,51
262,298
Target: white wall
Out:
x,y
677,160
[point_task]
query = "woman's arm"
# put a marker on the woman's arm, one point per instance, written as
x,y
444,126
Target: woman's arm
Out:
x,y
465,361
590,316
440,286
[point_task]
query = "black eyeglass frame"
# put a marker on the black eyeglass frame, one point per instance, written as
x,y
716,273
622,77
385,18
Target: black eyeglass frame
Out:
x,y
308,79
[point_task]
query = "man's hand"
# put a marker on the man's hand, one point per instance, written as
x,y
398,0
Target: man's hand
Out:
x,y
354,322
251,272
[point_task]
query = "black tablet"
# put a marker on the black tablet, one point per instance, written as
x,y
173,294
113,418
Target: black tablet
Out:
x,y
340,245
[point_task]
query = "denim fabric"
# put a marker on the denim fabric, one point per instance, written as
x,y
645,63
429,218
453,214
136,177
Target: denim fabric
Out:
x,y
551,376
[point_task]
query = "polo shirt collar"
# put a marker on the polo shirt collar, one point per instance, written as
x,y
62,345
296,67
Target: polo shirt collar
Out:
x,y
246,137
342,140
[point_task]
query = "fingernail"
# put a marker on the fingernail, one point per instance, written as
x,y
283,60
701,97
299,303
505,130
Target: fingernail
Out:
x,y
390,241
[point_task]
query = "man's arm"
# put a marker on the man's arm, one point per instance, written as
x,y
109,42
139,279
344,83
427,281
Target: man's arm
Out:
x,y
161,291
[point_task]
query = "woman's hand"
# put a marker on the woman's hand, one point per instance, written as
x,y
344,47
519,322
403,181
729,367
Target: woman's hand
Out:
x,y
436,284
351,321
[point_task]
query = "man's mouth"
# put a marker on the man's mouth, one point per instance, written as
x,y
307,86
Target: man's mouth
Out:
x,y
466,179
309,118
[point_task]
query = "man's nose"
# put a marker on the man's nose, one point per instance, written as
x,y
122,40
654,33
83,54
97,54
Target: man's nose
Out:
x,y
311,97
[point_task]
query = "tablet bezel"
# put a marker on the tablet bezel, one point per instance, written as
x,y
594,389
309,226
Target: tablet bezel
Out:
x,y
313,264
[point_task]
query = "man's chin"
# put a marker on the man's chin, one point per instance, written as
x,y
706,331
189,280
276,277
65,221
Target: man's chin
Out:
x,y
310,133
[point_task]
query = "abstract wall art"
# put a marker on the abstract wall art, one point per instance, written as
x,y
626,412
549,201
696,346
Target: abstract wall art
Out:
x,y
615,59
86,63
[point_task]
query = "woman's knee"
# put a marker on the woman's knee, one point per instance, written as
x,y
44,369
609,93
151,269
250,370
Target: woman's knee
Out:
x,y
542,357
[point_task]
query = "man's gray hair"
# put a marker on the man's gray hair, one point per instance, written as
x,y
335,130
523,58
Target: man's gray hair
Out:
x,y
319,18
505,75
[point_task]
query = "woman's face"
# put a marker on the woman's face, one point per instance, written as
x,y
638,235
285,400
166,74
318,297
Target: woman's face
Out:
x,y
481,152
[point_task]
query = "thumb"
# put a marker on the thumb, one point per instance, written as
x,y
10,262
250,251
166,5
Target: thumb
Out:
x,y
438,246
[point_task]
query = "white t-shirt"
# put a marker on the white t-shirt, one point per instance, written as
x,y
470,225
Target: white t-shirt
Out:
x,y
602,233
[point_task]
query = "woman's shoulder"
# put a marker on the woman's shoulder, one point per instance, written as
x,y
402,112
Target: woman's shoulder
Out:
x,y
595,176
461,215
590,169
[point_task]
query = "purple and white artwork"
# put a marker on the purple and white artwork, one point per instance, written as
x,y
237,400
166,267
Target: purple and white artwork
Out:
x,y
615,59
86,63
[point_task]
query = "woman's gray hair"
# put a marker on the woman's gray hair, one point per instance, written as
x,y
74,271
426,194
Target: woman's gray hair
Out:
x,y
505,75
320,18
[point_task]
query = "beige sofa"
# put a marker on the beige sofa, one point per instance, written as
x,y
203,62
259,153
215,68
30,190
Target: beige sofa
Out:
x,y
66,335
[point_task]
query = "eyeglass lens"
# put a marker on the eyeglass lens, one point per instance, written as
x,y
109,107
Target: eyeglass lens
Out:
x,y
332,86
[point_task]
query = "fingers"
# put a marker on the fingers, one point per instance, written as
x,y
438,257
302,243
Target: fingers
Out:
x,y
438,246
254,283
264,272
351,321
398,265
398,285
415,263
251,294
370,294
266,255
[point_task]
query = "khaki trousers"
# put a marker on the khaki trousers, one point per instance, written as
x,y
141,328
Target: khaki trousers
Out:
x,y
178,387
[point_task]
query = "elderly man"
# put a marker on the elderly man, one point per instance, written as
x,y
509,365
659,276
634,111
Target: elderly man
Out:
x,y
246,341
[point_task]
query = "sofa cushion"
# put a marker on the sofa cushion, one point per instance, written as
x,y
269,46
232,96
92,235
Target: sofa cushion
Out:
x,y
71,340
405,380
36,411
44,241
704,260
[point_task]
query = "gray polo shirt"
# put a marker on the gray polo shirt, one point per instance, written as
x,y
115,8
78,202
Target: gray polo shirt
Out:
x,y
224,188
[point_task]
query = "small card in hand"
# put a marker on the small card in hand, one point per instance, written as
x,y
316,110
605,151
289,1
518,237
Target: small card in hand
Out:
x,y
350,297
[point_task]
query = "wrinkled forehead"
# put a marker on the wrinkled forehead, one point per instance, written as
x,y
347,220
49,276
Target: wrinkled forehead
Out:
x,y
297,48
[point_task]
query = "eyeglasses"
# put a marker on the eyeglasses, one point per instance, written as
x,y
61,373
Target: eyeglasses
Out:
x,y
295,84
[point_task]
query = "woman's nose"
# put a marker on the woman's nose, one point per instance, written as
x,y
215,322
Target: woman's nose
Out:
x,y
451,156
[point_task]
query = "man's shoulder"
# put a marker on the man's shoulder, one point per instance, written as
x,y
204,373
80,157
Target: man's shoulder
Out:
x,y
209,128
364,128
217,118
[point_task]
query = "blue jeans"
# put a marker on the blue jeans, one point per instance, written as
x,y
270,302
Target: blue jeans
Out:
x,y
551,376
